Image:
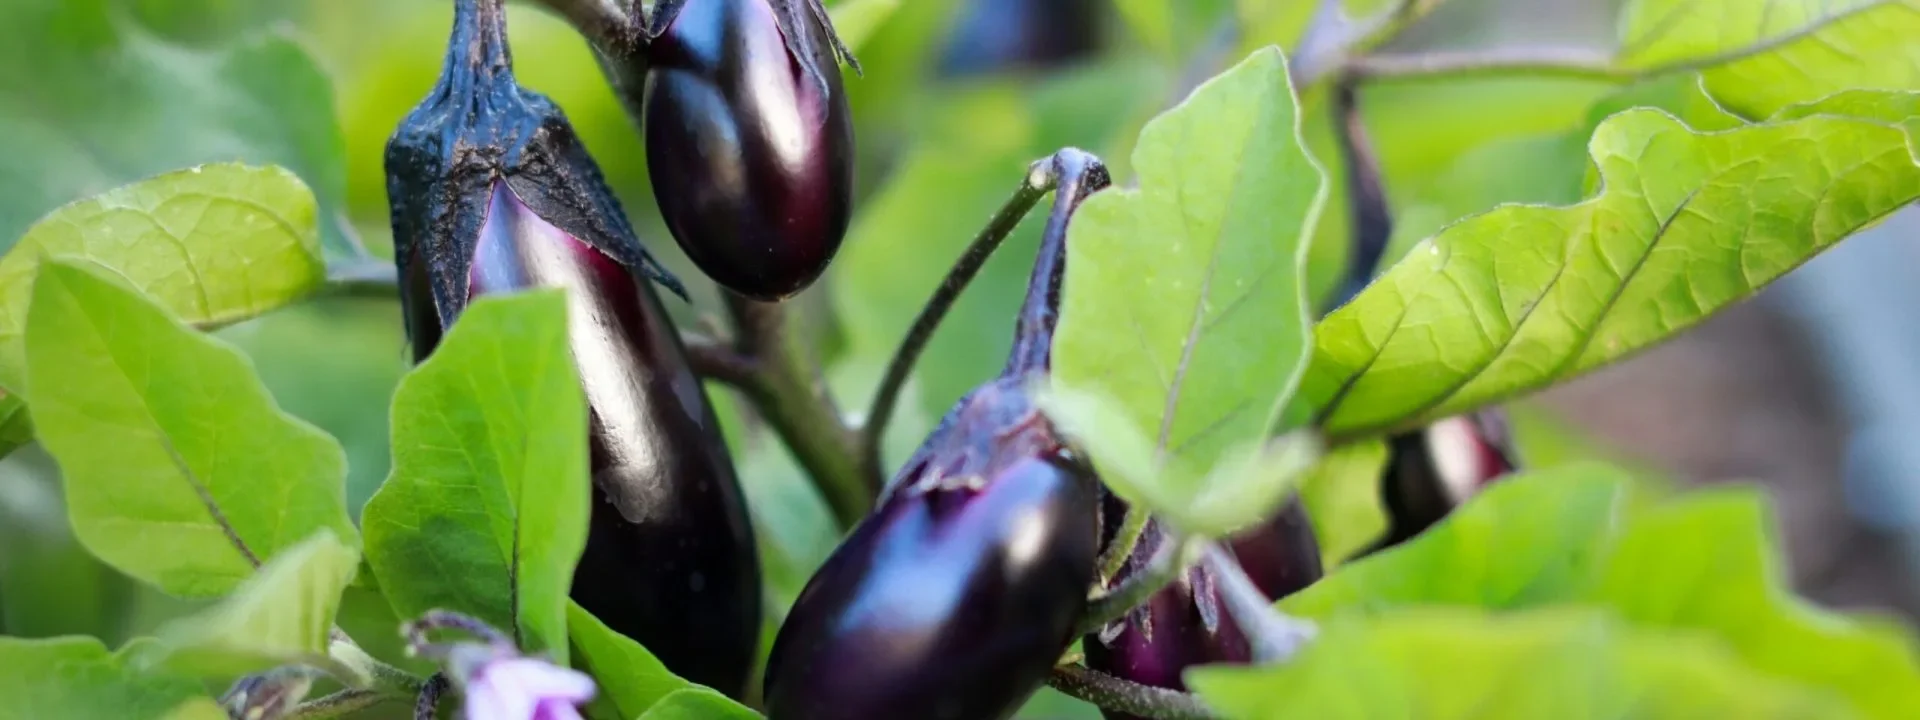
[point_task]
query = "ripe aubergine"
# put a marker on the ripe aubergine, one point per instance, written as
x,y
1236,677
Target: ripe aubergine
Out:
x,y
997,35
749,141
1433,470
955,597
492,192
1184,625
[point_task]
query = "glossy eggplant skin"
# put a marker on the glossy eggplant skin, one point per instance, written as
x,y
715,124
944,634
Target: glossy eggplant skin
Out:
x,y
1184,625
491,192
1434,469
750,152
997,35
953,599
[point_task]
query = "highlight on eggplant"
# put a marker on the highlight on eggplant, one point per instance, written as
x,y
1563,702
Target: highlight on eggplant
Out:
x,y
955,597
749,139
1185,624
491,192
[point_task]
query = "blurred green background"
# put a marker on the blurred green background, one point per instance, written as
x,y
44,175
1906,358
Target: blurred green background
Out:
x,y
96,93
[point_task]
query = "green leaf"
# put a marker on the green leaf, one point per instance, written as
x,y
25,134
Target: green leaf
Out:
x,y
1899,108
630,678
280,616
1185,306
1172,29
90,100
213,245
1342,497
1528,539
1522,296
486,510
1707,563
698,704
1760,55
1460,664
207,477
75,678
856,20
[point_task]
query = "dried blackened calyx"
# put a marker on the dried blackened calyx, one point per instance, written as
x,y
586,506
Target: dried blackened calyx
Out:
x,y
478,127
955,597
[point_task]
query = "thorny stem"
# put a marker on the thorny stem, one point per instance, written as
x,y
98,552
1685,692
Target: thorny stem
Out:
x,y
1172,557
1132,525
1272,635
340,704
1126,696
785,384
427,704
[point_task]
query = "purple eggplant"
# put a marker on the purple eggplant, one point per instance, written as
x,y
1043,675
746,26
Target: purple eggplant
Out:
x,y
492,192
1184,625
1433,470
749,140
957,595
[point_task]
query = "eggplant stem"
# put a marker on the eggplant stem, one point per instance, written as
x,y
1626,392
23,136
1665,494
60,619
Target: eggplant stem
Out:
x,y
716,360
1273,636
340,704
1133,524
1126,696
1372,218
604,23
1077,174
427,704
786,387
1039,180
1174,555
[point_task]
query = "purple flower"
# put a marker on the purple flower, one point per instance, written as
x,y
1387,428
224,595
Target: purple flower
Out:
x,y
524,688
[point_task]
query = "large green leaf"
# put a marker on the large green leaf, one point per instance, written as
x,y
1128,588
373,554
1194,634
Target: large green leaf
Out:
x,y
1527,539
1523,296
1185,305
1760,55
280,616
1707,563
90,100
631,679
204,477
213,245
486,509
75,678
1460,664
1342,498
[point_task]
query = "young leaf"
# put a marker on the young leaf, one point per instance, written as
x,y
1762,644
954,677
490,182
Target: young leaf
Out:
x,y
75,677
213,244
1185,306
1527,539
1760,55
698,704
1707,563
1342,497
203,477
486,509
631,680
280,616
1457,663
1523,296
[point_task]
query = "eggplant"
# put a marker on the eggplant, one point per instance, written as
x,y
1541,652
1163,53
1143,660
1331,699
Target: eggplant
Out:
x,y
492,192
997,35
749,140
1433,470
955,597
1184,625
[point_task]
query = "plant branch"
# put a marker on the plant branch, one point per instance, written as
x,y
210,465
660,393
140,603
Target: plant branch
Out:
x,y
784,383
1332,40
1040,179
1170,559
1272,635
340,704
718,360
605,23
1126,696
1371,218
371,278
1133,524
1569,62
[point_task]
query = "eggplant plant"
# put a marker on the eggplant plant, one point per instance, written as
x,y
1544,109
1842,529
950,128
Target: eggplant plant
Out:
x,y
1225,436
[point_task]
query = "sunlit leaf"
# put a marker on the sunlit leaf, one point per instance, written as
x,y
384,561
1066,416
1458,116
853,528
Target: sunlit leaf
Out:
x,y
1524,296
1342,498
1184,304
280,616
486,509
205,477
213,245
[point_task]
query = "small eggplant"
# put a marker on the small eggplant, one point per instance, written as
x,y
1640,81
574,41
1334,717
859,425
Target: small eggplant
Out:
x,y
997,35
749,140
955,597
1183,625
492,192
1433,470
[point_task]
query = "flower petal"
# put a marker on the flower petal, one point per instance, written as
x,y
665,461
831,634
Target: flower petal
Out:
x,y
541,680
